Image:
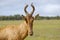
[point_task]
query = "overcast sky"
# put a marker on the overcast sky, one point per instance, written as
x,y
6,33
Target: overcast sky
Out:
x,y
43,7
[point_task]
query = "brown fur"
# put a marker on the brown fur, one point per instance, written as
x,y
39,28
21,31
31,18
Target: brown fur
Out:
x,y
12,32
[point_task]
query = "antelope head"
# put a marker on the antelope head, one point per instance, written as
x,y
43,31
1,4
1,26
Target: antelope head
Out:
x,y
29,19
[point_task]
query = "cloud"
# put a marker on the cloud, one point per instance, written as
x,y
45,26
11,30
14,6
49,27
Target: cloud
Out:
x,y
51,8
44,7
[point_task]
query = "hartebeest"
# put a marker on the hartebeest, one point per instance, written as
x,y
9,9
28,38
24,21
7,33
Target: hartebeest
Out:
x,y
21,31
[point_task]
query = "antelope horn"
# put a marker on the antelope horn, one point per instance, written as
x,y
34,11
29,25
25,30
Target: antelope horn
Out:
x,y
25,9
32,8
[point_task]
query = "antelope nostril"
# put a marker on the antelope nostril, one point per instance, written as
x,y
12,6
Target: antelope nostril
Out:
x,y
31,33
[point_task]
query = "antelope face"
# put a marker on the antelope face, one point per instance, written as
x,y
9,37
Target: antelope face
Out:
x,y
29,20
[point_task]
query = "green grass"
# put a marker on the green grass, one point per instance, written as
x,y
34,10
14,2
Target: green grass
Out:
x,y
43,29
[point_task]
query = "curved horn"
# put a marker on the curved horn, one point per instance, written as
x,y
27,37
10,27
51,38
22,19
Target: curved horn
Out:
x,y
25,9
33,8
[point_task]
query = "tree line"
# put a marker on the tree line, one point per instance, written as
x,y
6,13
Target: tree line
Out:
x,y
14,17
19,17
46,18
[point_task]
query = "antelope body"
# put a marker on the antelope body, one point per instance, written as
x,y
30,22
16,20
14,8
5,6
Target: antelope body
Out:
x,y
19,32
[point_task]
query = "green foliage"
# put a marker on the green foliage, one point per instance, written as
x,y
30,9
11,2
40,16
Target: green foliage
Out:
x,y
14,17
19,17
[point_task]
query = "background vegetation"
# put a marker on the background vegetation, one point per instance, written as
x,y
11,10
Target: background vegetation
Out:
x,y
19,17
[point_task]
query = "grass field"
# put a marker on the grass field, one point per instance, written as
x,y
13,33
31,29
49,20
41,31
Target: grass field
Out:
x,y
43,29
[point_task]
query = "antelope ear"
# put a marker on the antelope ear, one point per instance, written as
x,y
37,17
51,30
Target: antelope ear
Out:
x,y
23,16
36,16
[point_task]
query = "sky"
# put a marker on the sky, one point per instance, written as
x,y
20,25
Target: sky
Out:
x,y
42,7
